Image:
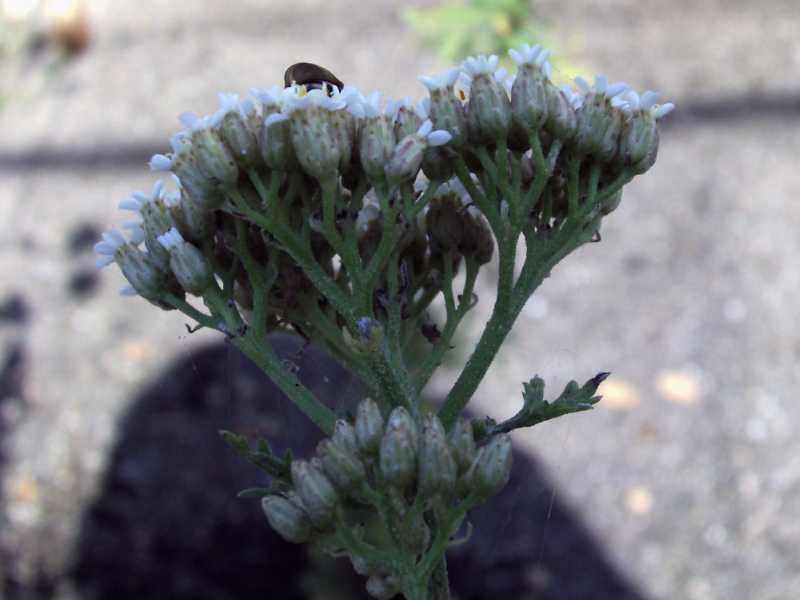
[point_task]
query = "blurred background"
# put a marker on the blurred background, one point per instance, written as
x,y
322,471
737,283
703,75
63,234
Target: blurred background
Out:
x,y
687,475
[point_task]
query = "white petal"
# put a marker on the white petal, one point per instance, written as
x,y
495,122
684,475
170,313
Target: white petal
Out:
x,y
275,118
127,291
103,261
432,83
516,56
649,98
425,128
439,137
615,89
663,110
105,248
131,203
160,162
583,85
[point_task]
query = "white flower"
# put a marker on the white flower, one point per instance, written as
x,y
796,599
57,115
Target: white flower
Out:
x,y
647,102
601,86
480,65
171,239
160,162
532,55
434,138
441,80
112,241
137,200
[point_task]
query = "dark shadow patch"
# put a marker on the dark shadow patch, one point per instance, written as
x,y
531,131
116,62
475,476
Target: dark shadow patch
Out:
x,y
167,525
15,309
82,237
83,282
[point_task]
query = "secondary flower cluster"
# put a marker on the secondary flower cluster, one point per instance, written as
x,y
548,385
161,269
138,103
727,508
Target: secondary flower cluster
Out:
x,y
399,465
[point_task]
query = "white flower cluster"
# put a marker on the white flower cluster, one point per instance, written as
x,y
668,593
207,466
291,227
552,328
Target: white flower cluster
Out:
x,y
341,135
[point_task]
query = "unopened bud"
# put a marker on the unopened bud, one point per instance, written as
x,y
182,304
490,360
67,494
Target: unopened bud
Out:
x,y
437,469
344,435
287,518
191,268
445,109
369,426
492,466
140,271
235,129
462,444
489,107
407,155
382,587
476,239
529,104
561,118
611,204
364,566
342,467
376,145
212,155
444,222
315,490
398,451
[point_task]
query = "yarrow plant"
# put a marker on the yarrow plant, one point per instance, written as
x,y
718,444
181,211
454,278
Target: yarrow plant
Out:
x,y
341,217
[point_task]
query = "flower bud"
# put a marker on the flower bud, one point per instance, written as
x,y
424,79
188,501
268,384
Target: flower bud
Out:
x,y
437,163
191,268
445,109
364,566
211,154
492,466
287,518
156,220
444,222
141,272
369,335
196,187
476,240
529,91
611,204
369,426
437,469
639,142
462,444
398,451
344,435
235,129
342,467
561,118
315,490
407,155
489,108
406,119
598,121
382,587
314,133
376,139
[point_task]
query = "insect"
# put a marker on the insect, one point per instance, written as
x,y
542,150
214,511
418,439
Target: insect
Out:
x,y
310,75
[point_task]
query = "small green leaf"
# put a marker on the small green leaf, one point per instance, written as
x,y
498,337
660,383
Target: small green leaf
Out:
x,y
254,492
536,409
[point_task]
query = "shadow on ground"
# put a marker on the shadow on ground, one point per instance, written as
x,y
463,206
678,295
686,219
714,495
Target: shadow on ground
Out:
x,y
167,524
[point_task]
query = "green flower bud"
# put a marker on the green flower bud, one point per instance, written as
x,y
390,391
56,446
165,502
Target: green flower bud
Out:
x,y
492,466
369,426
407,155
437,469
529,91
235,129
315,490
611,204
489,107
399,446
406,120
462,444
376,145
445,108
444,222
382,587
211,154
315,133
191,268
141,272
342,467
476,240
561,118
344,435
287,518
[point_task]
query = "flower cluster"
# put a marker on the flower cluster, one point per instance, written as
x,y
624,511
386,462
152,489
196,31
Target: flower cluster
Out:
x,y
341,217
399,465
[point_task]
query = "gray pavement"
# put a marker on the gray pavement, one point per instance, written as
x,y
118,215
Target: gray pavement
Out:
x,y
689,472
